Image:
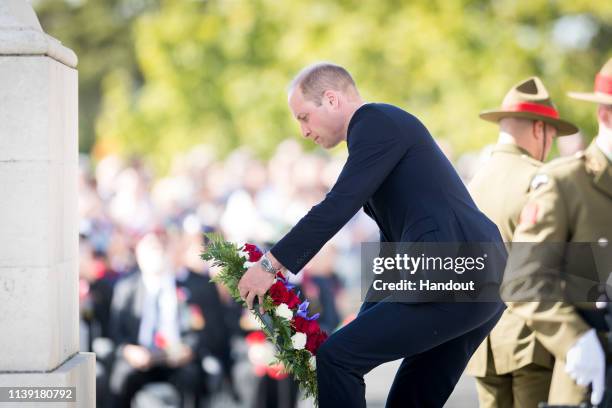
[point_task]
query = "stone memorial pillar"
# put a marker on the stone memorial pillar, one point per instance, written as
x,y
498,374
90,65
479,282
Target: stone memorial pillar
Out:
x,y
39,341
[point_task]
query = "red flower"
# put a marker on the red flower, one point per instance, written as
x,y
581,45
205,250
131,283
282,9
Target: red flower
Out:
x,y
292,300
254,252
278,292
308,327
314,341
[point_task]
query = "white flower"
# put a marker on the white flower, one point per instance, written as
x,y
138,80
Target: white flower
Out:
x,y
298,340
248,264
243,254
312,362
283,311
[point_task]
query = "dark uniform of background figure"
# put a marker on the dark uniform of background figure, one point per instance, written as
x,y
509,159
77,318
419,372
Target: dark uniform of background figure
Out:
x,y
512,368
570,203
215,336
198,305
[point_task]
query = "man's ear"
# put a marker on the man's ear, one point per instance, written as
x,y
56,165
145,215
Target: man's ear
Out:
x,y
538,128
330,98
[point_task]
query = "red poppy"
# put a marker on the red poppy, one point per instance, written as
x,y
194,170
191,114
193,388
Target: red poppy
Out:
x,y
160,341
254,253
277,372
314,341
256,337
292,300
278,292
309,327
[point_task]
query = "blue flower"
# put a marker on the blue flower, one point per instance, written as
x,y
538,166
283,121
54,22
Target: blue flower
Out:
x,y
303,311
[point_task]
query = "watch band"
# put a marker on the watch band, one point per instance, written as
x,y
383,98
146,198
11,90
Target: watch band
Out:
x,y
266,264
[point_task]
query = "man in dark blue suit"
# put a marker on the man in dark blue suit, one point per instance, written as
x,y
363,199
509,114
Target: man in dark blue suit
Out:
x,y
397,173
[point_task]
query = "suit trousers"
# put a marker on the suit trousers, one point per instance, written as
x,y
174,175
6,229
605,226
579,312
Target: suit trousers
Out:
x,y
435,340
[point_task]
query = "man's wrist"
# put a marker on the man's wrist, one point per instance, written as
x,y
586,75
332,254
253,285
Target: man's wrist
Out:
x,y
275,263
267,265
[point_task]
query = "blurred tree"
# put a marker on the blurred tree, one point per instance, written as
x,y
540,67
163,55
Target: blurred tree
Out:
x,y
100,32
216,71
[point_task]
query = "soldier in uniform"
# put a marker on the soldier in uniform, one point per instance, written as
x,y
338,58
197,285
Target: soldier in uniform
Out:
x,y
511,366
570,203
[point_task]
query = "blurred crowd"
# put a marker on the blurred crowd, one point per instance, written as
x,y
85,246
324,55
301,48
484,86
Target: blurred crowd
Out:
x,y
148,308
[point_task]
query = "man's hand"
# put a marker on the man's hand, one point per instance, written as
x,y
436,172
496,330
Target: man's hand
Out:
x,y
137,356
255,282
585,362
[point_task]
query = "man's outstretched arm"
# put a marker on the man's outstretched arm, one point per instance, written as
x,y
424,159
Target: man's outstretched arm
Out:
x,y
375,147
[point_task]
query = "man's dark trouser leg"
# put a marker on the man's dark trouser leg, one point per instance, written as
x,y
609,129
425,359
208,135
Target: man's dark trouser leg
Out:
x,y
388,331
428,379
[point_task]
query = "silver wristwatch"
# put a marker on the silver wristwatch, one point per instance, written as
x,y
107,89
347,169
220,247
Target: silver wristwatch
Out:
x,y
267,265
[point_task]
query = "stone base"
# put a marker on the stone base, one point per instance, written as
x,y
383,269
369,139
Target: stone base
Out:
x,y
79,371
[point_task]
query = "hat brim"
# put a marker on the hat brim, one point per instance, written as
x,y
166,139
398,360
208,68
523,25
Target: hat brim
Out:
x,y
563,127
604,99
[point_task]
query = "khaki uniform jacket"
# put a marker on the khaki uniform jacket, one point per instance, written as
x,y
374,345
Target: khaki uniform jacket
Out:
x,y
570,202
500,189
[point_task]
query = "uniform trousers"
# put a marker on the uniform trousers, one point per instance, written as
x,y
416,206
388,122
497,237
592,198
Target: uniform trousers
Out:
x,y
525,387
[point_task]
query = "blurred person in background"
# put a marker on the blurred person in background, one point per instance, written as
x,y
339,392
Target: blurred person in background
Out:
x,y
95,290
153,339
193,278
512,368
320,286
193,194
131,206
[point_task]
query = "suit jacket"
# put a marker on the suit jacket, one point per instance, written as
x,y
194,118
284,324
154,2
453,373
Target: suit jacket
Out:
x,y
500,190
403,181
198,318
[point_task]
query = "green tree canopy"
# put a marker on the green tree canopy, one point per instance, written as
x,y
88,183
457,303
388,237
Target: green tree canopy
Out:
x,y
216,71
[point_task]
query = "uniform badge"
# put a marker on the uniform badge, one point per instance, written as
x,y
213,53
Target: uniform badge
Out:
x,y
529,214
538,180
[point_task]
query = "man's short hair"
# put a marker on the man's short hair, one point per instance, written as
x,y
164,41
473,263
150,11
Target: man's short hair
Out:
x,y
317,78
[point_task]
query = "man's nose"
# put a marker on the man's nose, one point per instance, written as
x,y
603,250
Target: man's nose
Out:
x,y
305,132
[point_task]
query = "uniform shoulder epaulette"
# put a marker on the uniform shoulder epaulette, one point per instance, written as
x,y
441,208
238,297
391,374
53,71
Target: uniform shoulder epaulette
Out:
x,y
562,164
557,168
